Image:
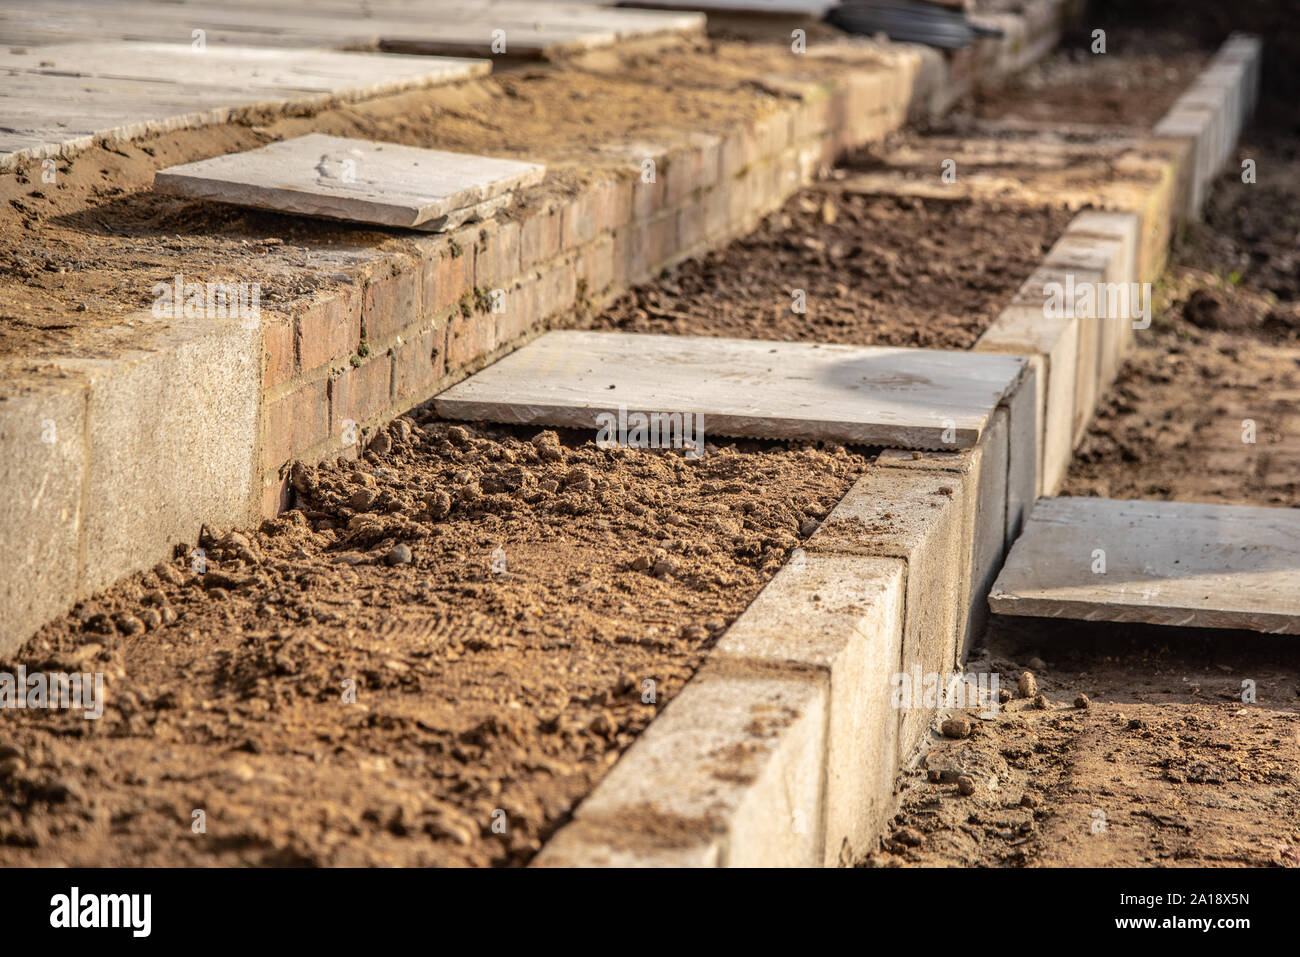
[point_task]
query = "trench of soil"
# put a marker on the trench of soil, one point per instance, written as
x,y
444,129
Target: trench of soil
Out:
x,y
441,649
1186,751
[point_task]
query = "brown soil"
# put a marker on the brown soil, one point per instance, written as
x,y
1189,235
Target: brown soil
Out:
x,y
1167,766
876,270
1224,348
77,256
484,693
1132,84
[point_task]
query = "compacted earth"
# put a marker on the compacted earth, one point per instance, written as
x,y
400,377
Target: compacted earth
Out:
x,y
428,661
1207,408
1149,748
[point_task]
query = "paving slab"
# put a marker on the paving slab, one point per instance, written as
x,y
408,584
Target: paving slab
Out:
x,y
910,398
68,95
356,180
1164,563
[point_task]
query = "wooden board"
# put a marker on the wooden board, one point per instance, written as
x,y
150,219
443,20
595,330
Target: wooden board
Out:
x,y
355,180
1166,563
913,398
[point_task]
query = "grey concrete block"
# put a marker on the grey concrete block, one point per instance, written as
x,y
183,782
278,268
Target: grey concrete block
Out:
x,y
984,472
840,617
737,759
897,513
1023,408
172,443
42,470
1033,294
593,843
1053,345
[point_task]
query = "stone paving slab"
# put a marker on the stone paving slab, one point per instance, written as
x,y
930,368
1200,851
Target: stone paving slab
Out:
x,y
910,398
1164,563
341,178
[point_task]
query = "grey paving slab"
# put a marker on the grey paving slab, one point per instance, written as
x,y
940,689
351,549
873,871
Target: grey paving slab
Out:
x,y
357,180
1165,563
912,398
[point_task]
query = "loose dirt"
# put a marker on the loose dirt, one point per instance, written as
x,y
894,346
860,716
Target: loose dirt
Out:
x,y
873,270
1132,83
428,662
1208,406
1187,754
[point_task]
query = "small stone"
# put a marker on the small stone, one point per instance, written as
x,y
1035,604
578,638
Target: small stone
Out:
x,y
808,527
955,728
381,443
152,618
1082,701
1028,800
361,499
908,836
665,567
1041,702
1037,664
641,563
457,436
128,624
965,784
399,554
1004,695
1028,685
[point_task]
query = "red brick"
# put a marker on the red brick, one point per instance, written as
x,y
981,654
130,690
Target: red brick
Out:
x,y
392,300
359,392
329,329
613,205
496,261
279,349
578,224
448,272
420,362
294,423
539,237
596,265
521,312
275,495
470,337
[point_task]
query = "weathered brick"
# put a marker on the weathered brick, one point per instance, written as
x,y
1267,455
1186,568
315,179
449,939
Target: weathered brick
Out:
x,y
596,265
520,313
578,219
648,198
359,392
294,423
539,237
556,290
613,205
329,328
470,337
496,261
392,300
448,272
275,495
692,226
419,362
279,349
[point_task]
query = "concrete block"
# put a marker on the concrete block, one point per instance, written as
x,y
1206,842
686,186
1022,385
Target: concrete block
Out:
x,y
1034,294
1023,408
1125,228
42,470
172,442
841,618
1053,345
983,473
1074,251
736,758
896,513
611,843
